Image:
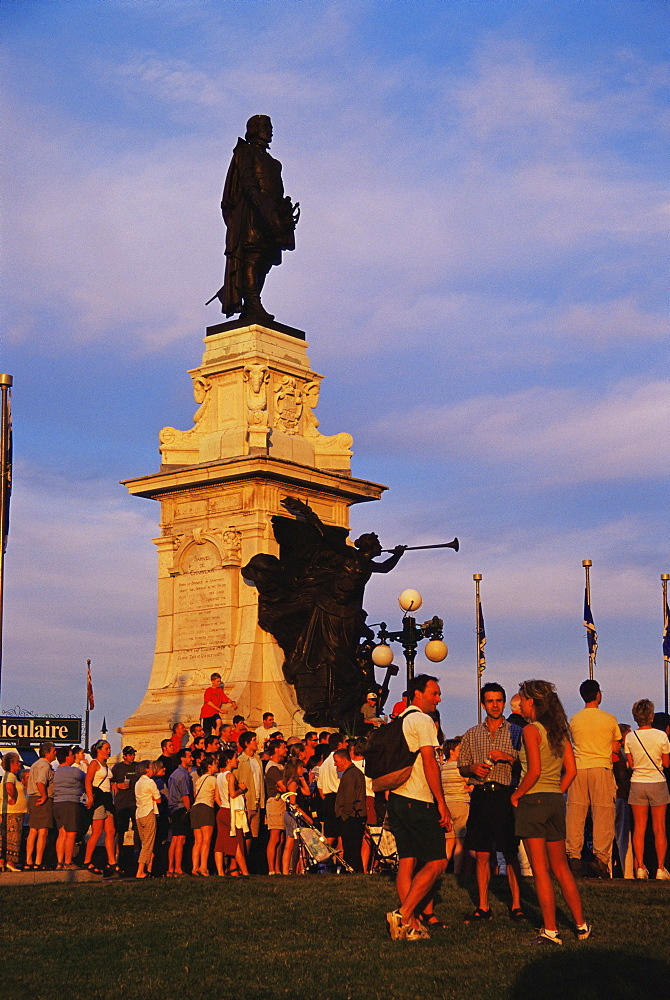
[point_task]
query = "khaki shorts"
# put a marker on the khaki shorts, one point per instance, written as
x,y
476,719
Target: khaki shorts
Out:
x,y
459,819
653,793
41,817
274,814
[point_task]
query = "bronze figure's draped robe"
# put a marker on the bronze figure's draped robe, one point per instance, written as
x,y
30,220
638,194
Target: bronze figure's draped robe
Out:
x,y
311,601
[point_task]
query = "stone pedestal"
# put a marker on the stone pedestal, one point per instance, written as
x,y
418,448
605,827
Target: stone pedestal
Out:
x,y
255,441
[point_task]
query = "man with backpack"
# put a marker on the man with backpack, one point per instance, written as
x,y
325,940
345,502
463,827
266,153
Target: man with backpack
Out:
x,y
417,813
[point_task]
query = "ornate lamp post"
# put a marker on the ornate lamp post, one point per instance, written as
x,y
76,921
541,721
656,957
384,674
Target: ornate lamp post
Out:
x,y
409,637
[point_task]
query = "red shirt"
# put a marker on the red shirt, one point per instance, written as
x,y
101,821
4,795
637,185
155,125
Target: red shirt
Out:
x,y
237,732
175,744
218,697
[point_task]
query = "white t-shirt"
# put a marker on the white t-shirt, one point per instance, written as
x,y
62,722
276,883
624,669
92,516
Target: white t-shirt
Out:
x,y
328,781
263,735
257,775
222,785
147,796
655,743
420,731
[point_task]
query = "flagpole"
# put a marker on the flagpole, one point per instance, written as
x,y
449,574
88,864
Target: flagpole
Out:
x,y
666,638
88,698
6,382
477,577
586,563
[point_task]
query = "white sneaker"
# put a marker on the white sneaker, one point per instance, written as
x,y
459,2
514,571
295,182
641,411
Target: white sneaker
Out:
x,y
543,938
662,873
641,873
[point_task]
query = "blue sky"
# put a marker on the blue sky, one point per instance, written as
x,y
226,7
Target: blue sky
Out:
x,y
478,270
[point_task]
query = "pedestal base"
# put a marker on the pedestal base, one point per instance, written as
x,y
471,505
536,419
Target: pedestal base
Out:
x,y
254,442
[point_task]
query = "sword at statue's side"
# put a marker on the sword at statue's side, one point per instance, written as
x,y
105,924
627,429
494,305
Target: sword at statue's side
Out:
x,y
441,545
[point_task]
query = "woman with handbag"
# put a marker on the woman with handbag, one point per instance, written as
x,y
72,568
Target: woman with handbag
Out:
x,y
203,814
648,752
100,801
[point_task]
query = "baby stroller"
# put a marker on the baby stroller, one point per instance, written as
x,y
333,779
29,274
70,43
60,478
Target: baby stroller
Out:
x,y
318,856
384,851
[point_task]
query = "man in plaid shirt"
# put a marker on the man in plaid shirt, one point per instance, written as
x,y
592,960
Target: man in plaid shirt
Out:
x,y
491,818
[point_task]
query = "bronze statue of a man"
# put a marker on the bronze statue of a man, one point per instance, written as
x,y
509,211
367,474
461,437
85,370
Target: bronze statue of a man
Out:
x,y
260,222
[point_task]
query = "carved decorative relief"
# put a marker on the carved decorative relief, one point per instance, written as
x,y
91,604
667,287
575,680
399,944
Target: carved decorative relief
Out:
x,y
199,549
173,441
232,543
256,378
201,393
334,444
288,405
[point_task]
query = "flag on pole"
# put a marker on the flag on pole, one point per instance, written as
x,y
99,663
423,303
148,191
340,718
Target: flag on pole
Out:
x,y
6,463
481,638
666,633
591,634
90,700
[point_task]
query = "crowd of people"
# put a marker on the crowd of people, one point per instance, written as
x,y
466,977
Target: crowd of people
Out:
x,y
531,792
520,789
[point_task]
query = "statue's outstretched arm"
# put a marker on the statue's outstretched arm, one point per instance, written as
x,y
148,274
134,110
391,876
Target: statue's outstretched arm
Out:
x,y
390,563
303,512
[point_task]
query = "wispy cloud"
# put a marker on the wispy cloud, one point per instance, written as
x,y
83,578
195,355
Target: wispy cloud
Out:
x,y
513,186
549,435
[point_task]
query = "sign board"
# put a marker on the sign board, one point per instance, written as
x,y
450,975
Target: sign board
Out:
x,y
29,729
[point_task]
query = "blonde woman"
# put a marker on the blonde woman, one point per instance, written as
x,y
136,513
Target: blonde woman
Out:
x,y
648,752
98,790
547,770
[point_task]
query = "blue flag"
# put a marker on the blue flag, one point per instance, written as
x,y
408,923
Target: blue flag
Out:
x,y
481,638
591,634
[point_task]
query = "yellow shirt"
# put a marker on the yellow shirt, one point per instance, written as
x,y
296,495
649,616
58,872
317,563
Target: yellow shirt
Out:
x,y
593,732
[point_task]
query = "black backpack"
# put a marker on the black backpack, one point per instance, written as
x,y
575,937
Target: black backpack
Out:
x,y
388,759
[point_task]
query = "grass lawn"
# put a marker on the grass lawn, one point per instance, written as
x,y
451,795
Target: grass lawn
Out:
x,y
318,938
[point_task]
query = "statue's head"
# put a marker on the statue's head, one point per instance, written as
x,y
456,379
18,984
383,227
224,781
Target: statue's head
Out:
x,y
259,128
369,544
262,571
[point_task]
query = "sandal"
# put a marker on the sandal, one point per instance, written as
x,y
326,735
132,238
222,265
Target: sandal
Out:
x,y
432,920
114,869
90,867
59,868
481,915
517,914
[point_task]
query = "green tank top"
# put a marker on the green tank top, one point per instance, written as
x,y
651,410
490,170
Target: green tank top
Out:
x,y
550,775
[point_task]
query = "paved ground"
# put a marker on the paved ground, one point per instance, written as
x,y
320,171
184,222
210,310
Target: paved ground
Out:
x,y
40,878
